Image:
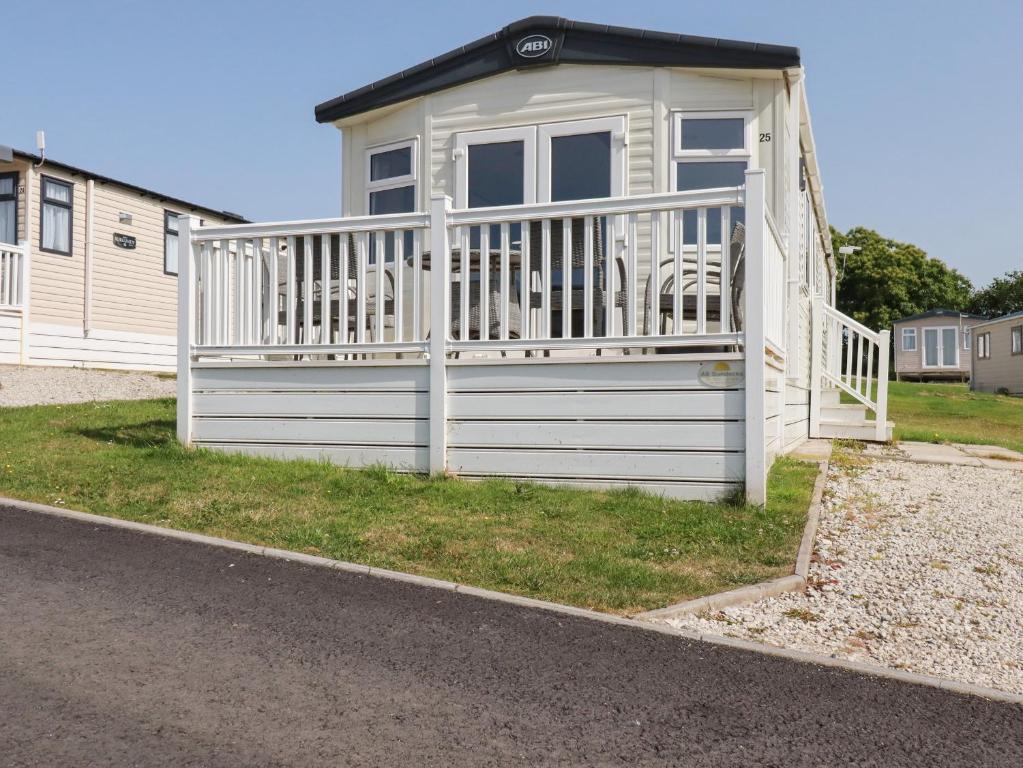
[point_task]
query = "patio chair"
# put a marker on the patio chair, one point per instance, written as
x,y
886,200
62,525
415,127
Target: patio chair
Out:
x,y
350,288
578,261
666,293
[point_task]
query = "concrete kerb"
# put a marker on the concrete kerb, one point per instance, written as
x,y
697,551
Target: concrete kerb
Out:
x,y
754,592
525,602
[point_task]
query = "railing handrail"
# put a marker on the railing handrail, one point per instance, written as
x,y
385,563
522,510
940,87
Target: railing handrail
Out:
x,y
12,248
860,328
385,222
604,206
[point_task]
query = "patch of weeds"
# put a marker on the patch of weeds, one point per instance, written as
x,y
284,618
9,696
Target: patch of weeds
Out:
x,y
940,565
803,614
991,569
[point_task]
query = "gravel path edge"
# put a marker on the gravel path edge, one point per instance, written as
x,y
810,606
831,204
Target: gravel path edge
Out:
x,y
871,670
772,588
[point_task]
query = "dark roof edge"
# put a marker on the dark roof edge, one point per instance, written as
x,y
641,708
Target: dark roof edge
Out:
x,y
234,217
1018,315
939,313
387,91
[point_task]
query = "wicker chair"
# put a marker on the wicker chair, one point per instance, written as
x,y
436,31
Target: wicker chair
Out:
x,y
350,288
666,294
493,310
578,261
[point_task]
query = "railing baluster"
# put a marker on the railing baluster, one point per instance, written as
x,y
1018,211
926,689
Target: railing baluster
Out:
x,y
325,324
274,310
701,270
289,292
206,333
257,290
239,292
859,370
224,310
610,267
381,269
725,271
343,288
545,278
399,285
678,275
588,277
484,289
847,333
654,305
870,368
463,284
525,285
566,278
632,256
505,294
361,263
307,289
417,287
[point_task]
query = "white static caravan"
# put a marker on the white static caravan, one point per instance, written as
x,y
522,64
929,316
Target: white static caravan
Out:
x,y
88,267
567,253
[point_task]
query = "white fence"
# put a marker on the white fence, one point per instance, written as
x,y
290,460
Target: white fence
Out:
x,y
844,358
13,275
406,302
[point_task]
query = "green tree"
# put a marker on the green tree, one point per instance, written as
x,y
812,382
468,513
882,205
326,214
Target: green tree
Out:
x,y
886,280
1001,297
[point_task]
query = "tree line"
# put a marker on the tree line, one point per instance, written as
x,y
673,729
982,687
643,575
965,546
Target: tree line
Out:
x,y
886,280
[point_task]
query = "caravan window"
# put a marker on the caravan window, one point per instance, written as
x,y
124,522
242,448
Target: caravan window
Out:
x,y
909,339
170,243
8,208
711,149
391,178
55,219
1017,339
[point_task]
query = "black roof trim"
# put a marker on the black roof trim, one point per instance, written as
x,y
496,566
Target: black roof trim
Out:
x,y
231,217
939,313
572,42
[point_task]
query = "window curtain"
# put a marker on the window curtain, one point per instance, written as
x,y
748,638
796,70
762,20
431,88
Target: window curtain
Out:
x,y
8,223
56,228
170,248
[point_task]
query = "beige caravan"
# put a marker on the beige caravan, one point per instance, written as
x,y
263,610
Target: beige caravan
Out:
x,y
88,267
934,345
998,355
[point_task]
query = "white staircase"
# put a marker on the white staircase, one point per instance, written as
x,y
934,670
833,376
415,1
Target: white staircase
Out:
x,y
843,361
848,420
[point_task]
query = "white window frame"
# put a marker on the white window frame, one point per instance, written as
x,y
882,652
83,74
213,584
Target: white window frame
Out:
x,y
526,134
984,345
394,182
616,125
910,333
1015,340
167,215
941,347
967,333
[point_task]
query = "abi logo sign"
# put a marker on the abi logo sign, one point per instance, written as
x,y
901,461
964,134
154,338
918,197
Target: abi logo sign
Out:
x,y
534,46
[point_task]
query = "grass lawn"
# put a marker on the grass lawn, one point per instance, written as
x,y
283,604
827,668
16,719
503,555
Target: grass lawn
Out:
x,y
620,551
950,413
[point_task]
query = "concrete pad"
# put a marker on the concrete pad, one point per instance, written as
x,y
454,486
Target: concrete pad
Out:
x,y
990,452
814,449
931,453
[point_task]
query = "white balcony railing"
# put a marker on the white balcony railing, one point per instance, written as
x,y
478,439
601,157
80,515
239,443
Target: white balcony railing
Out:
x,y
628,273
13,271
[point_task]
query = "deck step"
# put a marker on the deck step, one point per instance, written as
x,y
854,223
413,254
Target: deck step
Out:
x,y
830,397
847,413
862,430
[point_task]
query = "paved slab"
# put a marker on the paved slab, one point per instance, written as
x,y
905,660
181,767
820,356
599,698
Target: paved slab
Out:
x,y
814,449
121,648
937,453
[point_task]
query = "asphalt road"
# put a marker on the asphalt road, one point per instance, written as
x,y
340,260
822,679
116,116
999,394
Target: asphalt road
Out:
x,y
121,648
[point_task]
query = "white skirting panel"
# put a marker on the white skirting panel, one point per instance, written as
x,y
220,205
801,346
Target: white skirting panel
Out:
x,y
66,345
797,416
10,337
665,426
351,414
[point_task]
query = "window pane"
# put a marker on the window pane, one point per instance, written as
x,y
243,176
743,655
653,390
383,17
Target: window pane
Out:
x,y
170,262
581,166
1017,340
56,228
496,174
398,200
172,222
709,176
908,340
949,343
714,133
8,222
57,192
389,164
930,347
6,185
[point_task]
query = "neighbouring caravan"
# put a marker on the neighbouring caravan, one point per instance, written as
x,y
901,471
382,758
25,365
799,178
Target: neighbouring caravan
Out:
x,y
88,267
567,253
934,345
998,355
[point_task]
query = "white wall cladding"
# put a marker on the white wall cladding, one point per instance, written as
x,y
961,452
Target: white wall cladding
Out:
x,y
67,345
597,423
352,414
591,422
10,337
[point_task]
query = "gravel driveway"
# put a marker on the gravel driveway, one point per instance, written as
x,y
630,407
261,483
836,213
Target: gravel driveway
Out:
x,y
34,385
916,566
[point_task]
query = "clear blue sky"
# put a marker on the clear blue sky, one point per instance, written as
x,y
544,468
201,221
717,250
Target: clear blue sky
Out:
x,y
916,105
